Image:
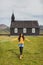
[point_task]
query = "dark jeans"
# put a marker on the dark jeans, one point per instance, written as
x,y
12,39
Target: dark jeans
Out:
x,y
21,50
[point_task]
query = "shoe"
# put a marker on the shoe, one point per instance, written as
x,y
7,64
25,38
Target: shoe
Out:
x,y
20,56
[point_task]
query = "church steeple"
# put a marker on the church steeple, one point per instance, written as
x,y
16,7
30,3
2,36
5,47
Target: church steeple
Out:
x,y
12,17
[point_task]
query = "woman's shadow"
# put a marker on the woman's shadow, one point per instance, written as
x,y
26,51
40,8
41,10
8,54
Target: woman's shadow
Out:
x,y
14,52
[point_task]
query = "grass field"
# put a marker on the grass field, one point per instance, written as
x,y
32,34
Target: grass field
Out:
x,y
33,51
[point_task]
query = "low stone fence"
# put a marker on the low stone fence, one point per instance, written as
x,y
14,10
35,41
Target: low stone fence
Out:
x,y
17,35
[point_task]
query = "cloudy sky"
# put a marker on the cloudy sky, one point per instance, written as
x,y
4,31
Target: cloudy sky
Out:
x,y
23,10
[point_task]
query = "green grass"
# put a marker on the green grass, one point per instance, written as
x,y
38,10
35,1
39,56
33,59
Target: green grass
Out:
x,y
33,51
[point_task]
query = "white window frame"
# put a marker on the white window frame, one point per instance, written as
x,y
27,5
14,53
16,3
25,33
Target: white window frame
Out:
x,y
15,30
33,30
24,30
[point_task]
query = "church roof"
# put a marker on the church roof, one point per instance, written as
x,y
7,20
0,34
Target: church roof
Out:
x,y
25,24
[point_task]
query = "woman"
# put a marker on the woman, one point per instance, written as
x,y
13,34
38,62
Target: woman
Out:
x,y
21,40
21,44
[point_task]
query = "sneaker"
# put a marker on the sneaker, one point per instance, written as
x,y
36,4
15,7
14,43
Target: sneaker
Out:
x,y
20,57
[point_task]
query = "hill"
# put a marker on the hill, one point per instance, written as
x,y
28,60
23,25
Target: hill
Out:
x,y
41,29
4,29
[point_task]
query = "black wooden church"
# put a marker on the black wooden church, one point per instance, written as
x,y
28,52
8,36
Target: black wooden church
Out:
x,y
24,26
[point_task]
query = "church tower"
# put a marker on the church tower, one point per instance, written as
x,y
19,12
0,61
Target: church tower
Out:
x,y
12,21
12,17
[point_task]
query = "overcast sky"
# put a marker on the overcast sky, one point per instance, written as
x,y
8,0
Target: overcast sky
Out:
x,y
23,10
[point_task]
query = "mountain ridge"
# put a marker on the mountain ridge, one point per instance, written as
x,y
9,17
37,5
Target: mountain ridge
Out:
x,y
4,29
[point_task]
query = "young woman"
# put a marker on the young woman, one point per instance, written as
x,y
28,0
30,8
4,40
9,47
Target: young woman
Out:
x,y
21,40
21,44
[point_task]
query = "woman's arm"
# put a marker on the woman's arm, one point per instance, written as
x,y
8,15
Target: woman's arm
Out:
x,y
14,39
28,40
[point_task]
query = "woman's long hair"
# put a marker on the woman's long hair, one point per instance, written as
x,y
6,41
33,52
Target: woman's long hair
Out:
x,y
20,37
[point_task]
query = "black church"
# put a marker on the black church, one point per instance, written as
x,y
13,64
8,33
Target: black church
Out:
x,y
27,27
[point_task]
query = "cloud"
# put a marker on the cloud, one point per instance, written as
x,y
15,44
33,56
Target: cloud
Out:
x,y
23,9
